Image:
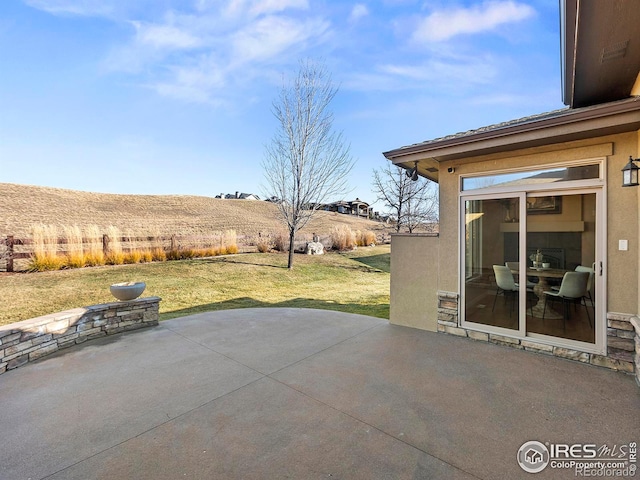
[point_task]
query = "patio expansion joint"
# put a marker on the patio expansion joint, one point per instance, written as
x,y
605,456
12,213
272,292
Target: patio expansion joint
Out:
x,y
169,419
150,429
261,377
286,366
326,348
378,429
353,417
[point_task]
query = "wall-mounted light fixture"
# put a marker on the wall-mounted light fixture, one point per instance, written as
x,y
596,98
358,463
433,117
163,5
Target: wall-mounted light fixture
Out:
x,y
630,173
413,173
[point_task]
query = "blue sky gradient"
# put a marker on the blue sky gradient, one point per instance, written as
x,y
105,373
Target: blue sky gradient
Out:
x,y
174,97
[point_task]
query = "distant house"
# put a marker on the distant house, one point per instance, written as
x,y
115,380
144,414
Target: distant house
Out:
x,y
355,207
238,196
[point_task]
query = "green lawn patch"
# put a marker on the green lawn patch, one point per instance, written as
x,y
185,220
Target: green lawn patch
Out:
x,y
357,282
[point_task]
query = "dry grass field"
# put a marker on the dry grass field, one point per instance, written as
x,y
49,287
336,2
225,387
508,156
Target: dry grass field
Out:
x,y
22,206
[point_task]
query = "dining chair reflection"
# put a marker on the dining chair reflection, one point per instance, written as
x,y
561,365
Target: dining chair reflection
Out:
x,y
572,289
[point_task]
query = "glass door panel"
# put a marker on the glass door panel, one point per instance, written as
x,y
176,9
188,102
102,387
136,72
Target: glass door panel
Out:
x,y
561,239
491,254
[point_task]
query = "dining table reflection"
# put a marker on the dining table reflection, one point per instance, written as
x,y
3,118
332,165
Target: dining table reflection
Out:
x,y
540,309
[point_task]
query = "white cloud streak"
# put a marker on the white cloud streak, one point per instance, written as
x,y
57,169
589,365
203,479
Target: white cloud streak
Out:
x,y
271,36
195,53
85,8
442,25
165,36
358,11
215,50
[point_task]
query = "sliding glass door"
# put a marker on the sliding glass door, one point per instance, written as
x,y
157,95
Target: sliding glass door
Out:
x,y
561,243
532,259
491,292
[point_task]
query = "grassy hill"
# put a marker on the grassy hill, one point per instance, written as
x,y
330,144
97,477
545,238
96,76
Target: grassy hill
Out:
x,y
22,206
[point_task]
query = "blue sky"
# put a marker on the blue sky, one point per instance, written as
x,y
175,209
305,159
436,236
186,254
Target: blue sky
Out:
x,y
174,97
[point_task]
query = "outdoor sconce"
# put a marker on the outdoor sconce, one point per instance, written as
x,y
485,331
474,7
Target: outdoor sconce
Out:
x,y
630,173
413,173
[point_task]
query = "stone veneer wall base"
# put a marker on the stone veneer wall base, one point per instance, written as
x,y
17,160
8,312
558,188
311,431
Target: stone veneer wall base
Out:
x,y
32,339
623,338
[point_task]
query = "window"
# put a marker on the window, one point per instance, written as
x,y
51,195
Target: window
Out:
x,y
532,177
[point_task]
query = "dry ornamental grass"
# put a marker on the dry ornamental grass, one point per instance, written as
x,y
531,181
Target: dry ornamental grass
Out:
x,y
43,214
228,226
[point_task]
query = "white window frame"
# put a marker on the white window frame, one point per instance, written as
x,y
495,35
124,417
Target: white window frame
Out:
x,y
593,185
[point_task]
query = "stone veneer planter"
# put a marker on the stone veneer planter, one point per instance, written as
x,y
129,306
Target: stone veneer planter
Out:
x,y
31,339
635,321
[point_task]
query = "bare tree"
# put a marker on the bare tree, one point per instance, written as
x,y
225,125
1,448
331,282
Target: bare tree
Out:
x,y
413,201
307,162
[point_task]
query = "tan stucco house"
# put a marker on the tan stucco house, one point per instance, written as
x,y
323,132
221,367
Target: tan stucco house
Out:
x,y
543,197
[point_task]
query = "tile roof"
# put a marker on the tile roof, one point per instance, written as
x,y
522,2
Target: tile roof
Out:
x,y
496,126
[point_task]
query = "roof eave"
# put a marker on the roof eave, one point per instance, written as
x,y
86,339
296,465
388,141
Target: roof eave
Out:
x,y
568,17
622,114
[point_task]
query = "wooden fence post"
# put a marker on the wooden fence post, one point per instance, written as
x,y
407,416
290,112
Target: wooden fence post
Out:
x,y
9,243
105,244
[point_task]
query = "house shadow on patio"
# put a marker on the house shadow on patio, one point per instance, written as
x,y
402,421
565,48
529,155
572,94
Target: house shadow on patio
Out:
x,y
379,311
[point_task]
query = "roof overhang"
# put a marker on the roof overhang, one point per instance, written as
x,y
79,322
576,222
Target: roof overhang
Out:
x,y
600,50
562,126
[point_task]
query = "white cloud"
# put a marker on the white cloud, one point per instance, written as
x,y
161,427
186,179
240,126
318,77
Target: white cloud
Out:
x,y
254,8
270,36
358,11
87,8
438,70
164,36
448,73
198,53
272,6
199,82
444,24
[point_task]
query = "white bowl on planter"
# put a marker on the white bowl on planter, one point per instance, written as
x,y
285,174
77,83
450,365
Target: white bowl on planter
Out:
x,y
127,290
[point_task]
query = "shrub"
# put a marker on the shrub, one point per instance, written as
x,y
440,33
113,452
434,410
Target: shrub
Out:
x,y
75,250
342,238
75,261
115,258
172,255
94,260
366,238
114,255
263,245
133,257
42,263
146,256
94,255
159,255
228,242
281,242
45,249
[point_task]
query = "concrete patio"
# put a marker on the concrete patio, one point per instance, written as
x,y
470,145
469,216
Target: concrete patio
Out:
x,y
291,393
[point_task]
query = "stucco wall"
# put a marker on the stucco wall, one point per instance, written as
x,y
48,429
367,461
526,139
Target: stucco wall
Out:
x,y
622,220
449,215
623,207
414,281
